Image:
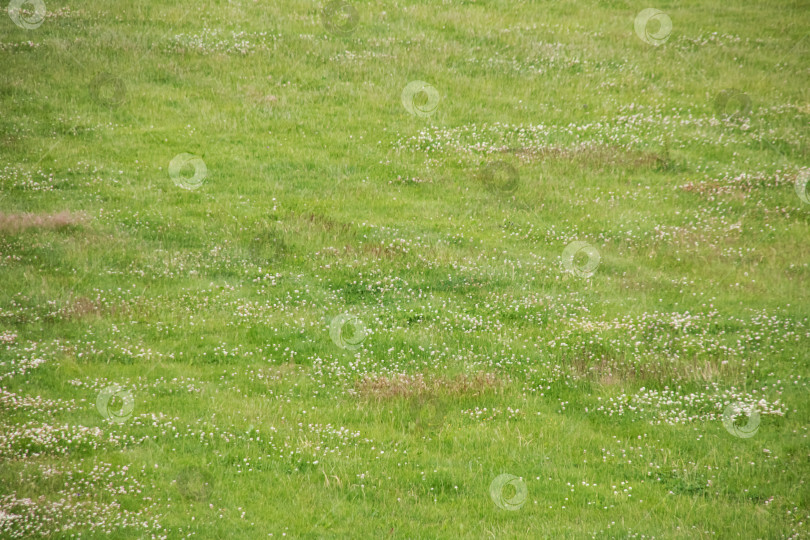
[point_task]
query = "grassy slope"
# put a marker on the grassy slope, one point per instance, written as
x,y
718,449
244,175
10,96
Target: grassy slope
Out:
x,y
311,162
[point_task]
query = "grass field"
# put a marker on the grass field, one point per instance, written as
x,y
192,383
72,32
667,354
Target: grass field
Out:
x,y
471,269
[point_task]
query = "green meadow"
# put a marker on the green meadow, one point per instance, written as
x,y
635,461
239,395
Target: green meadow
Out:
x,y
367,269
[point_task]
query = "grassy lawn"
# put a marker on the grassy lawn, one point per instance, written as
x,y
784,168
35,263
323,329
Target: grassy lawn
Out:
x,y
471,269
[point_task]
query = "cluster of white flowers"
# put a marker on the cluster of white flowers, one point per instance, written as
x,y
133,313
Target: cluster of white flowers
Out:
x,y
211,41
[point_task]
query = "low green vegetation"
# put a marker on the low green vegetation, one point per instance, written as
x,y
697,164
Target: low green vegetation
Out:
x,y
475,269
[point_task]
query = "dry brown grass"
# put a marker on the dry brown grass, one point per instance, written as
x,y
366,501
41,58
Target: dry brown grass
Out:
x,y
611,372
594,156
310,220
741,186
260,97
14,223
408,386
82,308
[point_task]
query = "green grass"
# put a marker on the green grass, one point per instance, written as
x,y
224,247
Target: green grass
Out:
x,y
214,307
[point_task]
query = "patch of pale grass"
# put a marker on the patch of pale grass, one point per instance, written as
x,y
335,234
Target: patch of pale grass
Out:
x,y
14,223
407,386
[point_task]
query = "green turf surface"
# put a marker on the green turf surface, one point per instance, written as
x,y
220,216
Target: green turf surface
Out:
x,y
332,270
